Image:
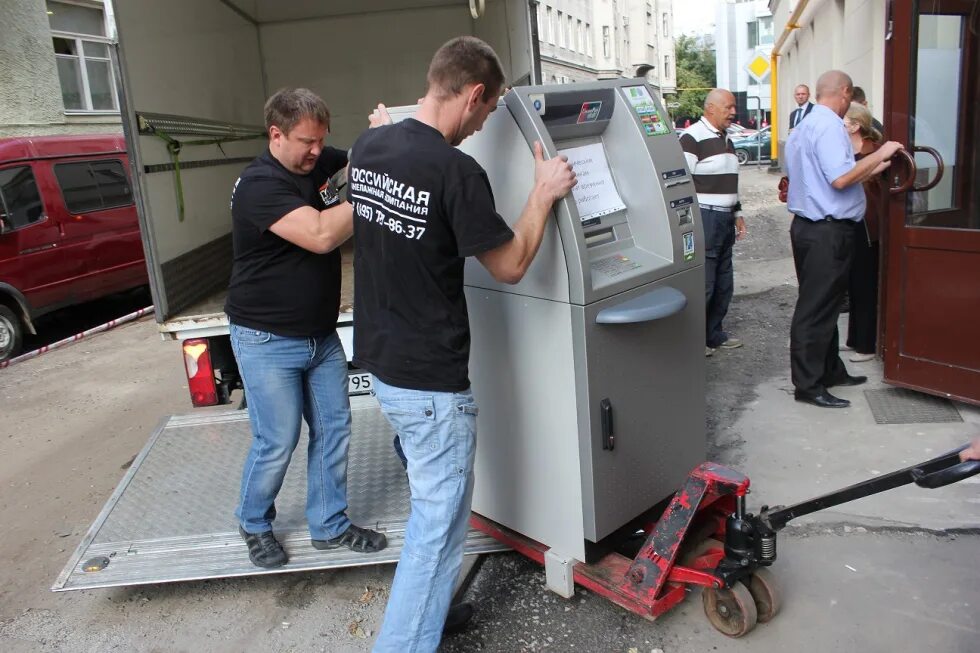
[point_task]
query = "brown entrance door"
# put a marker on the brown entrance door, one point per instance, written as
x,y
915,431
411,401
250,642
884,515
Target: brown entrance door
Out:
x,y
931,243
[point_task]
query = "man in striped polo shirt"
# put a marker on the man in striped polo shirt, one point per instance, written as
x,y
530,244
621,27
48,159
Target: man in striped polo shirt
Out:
x,y
711,158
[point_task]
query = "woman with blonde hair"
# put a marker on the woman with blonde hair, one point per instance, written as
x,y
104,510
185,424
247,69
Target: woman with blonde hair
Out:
x,y
862,320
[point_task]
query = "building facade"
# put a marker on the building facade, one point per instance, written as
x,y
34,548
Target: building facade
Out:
x,y
55,70
583,40
848,35
744,35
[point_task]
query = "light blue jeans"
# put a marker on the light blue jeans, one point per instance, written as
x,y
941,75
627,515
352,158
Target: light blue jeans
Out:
x,y
437,431
286,380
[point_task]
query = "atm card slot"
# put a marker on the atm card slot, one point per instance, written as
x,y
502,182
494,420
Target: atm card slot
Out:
x,y
600,237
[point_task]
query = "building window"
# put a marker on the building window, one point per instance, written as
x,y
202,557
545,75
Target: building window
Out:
x,y
666,28
571,35
761,32
588,39
666,66
579,38
561,30
766,33
81,51
20,201
605,41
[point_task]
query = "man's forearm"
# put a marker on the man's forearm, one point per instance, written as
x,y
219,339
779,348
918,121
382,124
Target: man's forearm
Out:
x,y
509,262
860,172
336,224
529,229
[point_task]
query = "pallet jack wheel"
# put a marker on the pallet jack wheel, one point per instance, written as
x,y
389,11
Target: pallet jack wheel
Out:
x,y
731,611
765,591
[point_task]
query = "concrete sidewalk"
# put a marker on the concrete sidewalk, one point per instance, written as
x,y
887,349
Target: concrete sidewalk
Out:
x,y
794,451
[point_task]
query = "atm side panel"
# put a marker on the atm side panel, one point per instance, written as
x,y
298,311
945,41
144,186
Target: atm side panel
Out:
x,y
527,459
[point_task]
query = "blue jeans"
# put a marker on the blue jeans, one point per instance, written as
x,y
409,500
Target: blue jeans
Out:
x,y
437,432
286,380
719,278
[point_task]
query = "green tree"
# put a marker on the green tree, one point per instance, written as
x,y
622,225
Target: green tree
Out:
x,y
695,73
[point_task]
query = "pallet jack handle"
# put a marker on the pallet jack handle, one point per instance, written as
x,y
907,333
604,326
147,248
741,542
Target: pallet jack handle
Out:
x,y
940,471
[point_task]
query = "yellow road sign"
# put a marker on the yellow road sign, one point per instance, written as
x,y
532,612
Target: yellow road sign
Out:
x,y
758,67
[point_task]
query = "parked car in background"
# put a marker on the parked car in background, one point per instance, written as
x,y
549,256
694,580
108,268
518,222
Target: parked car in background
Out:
x,y
737,131
69,231
753,147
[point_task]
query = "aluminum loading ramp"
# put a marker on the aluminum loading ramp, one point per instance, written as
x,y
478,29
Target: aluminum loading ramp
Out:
x,y
172,516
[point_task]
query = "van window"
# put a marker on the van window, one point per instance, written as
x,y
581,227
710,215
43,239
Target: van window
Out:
x,y
20,202
93,185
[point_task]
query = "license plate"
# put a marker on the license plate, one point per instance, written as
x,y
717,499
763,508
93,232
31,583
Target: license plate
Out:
x,y
358,383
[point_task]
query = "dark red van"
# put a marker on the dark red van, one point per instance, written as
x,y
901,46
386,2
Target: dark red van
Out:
x,y
68,228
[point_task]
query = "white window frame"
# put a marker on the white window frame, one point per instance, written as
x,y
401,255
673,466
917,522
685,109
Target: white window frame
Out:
x,y
81,58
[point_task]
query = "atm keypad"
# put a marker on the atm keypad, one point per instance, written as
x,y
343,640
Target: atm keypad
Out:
x,y
615,265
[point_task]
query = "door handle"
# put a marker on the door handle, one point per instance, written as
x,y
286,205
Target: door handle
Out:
x,y
906,185
940,167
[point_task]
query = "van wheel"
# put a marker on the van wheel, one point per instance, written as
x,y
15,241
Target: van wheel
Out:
x,y
11,333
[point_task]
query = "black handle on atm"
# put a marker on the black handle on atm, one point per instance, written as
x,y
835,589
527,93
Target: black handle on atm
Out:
x,y
654,305
606,418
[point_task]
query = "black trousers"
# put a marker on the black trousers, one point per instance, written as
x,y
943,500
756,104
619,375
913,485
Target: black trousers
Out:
x,y
862,320
719,276
822,252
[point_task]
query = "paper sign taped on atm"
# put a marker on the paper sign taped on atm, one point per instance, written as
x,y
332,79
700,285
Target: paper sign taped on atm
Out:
x,y
595,193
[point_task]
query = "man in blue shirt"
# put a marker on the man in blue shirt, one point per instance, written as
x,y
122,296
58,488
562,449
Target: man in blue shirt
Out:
x,y
826,199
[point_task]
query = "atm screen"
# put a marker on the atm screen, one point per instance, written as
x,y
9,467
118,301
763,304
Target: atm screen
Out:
x,y
595,193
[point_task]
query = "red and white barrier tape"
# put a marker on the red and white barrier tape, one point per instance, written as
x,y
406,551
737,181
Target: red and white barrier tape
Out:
x,y
78,336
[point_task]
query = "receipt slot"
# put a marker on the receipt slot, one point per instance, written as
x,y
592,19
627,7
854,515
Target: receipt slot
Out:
x,y
589,373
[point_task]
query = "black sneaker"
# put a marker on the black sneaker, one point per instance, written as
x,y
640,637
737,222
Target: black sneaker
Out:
x,y
264,549
457,619
355,538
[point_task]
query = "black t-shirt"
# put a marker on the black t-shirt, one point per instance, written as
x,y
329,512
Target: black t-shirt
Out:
x,y
420,208
277,286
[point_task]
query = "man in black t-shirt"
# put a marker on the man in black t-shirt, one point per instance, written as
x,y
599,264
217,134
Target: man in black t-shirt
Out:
x,y
283,299
421,207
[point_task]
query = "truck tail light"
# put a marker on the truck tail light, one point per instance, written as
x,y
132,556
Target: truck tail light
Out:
x,y
200,372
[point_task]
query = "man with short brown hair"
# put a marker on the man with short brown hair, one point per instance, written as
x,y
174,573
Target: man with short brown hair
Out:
x,y
421,208
283,299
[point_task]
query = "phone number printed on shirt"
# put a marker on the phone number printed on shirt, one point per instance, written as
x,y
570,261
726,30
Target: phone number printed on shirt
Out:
x,y
394,224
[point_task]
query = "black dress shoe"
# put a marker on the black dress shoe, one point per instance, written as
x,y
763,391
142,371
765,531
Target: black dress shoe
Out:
x,y
822,399
459,615
847,380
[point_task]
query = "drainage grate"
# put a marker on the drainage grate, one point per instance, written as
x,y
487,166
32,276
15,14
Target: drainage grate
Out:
x,y
902,406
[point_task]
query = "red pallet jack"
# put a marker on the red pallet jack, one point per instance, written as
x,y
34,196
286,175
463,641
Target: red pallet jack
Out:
x,y
706,538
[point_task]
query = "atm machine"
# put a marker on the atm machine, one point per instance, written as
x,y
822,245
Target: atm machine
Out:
x,y
589,373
